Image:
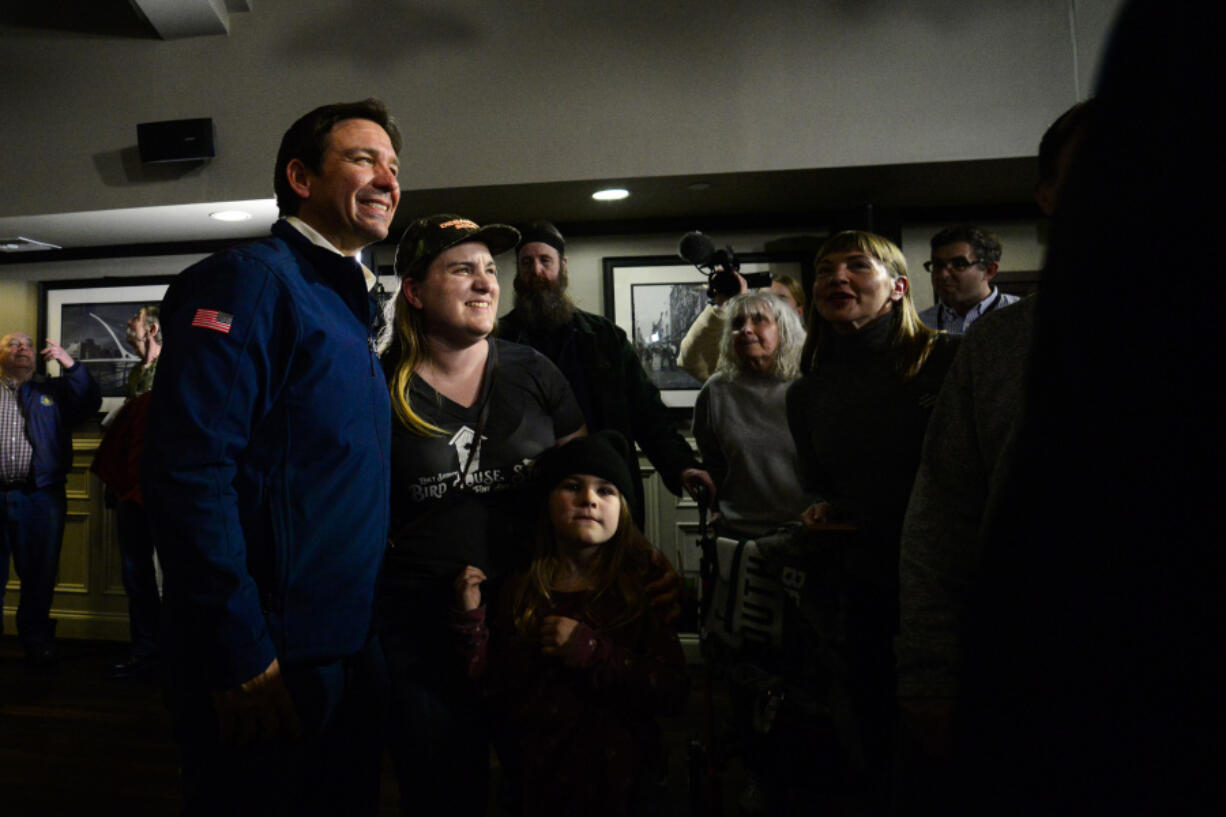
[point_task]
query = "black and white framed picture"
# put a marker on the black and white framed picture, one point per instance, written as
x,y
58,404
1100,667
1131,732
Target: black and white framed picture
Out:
x,y
89,317
656,298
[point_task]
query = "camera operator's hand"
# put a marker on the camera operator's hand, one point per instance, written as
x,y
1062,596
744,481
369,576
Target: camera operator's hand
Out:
x,y
721,299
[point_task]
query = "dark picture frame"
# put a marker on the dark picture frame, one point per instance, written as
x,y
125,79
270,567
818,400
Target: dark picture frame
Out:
x,y
656,298
88,317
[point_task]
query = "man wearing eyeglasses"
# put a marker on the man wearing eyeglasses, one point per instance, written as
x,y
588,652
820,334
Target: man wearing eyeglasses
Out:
x,y
964,262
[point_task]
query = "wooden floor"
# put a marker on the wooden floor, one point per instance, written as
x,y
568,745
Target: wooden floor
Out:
x,y
74,743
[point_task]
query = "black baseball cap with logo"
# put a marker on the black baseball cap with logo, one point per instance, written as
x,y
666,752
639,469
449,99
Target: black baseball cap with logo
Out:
x,y
426,237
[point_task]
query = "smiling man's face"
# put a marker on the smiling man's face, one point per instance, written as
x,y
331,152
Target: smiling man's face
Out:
x,y
352,199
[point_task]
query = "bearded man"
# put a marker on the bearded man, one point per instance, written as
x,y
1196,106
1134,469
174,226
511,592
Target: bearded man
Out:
x,y
603,370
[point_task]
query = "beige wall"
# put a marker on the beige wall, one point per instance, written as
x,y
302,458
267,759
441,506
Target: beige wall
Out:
x,y
18,306
19,282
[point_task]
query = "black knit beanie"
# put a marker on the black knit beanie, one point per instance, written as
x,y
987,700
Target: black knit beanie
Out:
x,y
603,454
545,232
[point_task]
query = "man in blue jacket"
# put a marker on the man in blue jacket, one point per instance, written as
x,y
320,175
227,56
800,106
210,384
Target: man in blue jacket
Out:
x,y
265,476
37,414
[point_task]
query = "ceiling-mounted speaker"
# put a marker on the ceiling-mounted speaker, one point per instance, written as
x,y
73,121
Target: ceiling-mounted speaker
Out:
x,y
178,140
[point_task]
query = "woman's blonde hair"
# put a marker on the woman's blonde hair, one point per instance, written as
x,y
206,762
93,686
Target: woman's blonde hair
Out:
x,y
405,351
619,569
910,340
786,365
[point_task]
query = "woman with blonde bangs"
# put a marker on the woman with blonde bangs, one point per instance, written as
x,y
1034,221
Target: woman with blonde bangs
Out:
x,y
470,415
872,372
911,340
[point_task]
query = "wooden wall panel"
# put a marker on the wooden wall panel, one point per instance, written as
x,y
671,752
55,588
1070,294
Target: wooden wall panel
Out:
x,y
75,555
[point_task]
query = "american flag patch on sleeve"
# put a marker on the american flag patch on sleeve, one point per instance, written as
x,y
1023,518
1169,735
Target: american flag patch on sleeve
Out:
x,y
212,319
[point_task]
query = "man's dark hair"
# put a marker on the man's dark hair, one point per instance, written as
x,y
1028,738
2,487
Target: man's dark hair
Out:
x,y
307,139
985,245
1058,135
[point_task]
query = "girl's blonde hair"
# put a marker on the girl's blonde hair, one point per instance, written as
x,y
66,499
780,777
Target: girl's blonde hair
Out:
x,y
620,567
910,340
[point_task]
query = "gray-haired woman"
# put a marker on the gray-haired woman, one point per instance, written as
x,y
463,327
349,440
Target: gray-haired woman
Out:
x,y
740,417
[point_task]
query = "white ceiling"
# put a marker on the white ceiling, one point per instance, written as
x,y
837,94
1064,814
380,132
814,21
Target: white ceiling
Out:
x,y
142,225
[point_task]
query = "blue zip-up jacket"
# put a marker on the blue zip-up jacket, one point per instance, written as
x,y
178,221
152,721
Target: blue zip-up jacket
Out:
x,y
266,465
51,407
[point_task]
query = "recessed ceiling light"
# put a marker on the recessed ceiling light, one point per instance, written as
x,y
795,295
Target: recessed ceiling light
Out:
x,y
230,215
611,194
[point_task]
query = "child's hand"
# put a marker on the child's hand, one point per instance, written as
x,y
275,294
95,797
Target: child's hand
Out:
x,y
468,588
556,633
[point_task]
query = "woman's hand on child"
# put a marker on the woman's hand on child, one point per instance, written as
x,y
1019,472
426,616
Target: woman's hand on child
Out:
x,y
556,633
468,588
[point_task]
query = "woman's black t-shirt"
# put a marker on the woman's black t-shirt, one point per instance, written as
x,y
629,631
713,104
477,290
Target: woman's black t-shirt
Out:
x,y
457,500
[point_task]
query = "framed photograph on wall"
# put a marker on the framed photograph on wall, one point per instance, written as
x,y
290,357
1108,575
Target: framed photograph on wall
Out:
x,y
89,317
656,298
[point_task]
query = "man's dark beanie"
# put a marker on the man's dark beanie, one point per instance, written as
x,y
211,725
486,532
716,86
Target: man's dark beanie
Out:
x,y
603,454
545,232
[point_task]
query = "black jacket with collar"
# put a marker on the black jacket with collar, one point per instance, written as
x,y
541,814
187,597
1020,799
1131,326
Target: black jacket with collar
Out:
x,y
621,395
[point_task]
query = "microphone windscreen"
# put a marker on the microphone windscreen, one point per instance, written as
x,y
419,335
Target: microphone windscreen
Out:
x,y
695,248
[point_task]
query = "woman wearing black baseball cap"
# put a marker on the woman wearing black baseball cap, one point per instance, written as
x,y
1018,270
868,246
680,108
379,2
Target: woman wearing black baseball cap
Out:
x,y
470,414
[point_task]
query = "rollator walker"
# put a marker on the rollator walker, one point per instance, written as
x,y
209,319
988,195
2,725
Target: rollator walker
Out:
x,y
769,616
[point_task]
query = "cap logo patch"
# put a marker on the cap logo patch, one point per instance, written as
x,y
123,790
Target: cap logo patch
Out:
x,y
459,223
212,319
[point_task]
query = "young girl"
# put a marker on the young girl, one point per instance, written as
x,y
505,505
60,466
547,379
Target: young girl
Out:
x,y
575,665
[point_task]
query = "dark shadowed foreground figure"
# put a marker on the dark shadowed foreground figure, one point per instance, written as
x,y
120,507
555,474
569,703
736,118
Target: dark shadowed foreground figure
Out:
x,y
1094,677
970,453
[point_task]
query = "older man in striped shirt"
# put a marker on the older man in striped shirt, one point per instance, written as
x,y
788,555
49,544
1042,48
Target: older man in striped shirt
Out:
x,y
37,414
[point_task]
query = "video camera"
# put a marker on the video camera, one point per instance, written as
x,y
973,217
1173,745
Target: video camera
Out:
x,y
720,266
